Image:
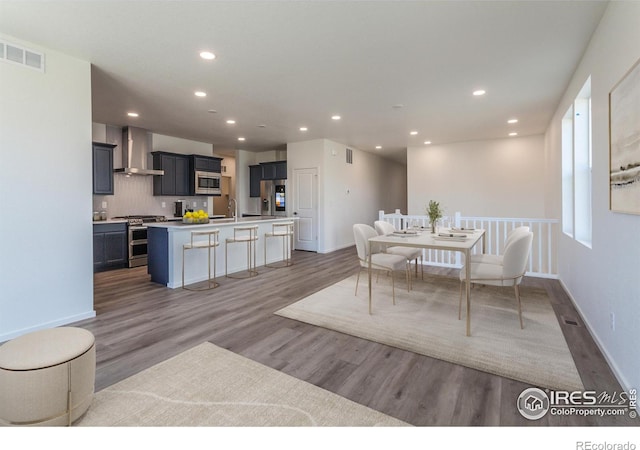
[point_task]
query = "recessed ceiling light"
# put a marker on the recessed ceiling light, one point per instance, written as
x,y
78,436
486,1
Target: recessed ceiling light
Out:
x,y
513,134
132,114
398,106
262,126
413,133
479,92
207,55
212,111
336,117
427,142
378,147
231,121
512,121
200,94
241,139
303,128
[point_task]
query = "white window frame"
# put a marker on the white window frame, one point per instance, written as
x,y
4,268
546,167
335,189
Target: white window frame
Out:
x,y
577,217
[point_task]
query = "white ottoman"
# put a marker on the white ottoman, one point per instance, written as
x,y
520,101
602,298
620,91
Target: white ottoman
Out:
x,y
47,377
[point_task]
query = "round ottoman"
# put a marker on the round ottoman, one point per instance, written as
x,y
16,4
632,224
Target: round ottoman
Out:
x,y
47,377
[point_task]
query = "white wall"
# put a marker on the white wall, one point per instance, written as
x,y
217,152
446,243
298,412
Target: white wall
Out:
x,y
46,263
348,193
494,178
606,278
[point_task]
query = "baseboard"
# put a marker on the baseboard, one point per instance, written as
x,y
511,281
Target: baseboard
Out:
x,y
614,368
46,325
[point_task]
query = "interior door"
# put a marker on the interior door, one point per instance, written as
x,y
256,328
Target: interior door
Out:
x,y
305,207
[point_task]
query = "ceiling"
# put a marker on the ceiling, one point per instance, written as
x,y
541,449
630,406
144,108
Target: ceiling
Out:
x,y
387,68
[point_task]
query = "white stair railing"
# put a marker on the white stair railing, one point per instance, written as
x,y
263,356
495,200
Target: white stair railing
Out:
x,y
543,257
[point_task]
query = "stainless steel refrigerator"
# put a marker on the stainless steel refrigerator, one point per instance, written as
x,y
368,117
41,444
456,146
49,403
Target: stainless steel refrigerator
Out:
x,y
273,197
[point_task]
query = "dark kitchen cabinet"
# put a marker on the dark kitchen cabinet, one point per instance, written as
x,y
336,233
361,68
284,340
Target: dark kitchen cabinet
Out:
x,y
175,180
110,250
281,170
103,168
276,170
206,163
255,175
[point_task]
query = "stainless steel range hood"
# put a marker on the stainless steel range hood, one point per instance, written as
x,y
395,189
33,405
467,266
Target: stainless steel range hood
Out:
x,y
136,145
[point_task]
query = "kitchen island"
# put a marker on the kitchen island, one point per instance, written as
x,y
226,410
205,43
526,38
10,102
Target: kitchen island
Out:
x,y
165,241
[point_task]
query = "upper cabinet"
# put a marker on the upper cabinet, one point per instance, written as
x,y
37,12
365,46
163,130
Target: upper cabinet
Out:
x,y
103,168
175,180
255,175
206,163
276,170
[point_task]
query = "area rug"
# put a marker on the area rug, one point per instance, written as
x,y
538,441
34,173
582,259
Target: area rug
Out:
x,y
211,386
425,321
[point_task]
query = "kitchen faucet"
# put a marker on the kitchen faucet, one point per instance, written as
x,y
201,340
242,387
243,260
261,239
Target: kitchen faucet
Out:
x,y
235,208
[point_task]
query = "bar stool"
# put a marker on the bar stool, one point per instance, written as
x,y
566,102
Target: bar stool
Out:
x,y
249,236
211,243
282,230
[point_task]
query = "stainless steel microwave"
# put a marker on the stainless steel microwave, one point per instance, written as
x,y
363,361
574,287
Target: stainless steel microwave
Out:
x,y
207,183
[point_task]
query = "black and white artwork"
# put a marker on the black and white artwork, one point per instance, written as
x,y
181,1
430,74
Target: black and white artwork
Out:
x,y
624,143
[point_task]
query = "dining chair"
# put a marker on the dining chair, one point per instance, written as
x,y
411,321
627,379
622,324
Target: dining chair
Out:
x,y
509,273
412,254
379,260
497,259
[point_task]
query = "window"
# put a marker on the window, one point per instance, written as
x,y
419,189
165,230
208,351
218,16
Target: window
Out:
x,y
576,168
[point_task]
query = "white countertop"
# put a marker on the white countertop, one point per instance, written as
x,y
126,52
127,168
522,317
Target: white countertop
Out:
x,y
220,222
98,222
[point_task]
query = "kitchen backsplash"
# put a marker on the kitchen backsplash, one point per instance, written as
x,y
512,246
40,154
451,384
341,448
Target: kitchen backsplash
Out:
x,y
134,195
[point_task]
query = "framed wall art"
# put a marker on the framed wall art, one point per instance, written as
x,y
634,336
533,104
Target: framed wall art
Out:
x,y
624,143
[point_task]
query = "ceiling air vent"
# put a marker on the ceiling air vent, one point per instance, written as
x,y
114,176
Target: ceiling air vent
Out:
x,y
349,156
17,54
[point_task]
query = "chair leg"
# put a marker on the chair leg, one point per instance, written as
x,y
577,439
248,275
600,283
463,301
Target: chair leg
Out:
x,y
357,280
422,267
393,287
517,289
407,272
460,303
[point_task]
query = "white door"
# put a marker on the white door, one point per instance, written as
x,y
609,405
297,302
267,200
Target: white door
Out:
x,y
305,207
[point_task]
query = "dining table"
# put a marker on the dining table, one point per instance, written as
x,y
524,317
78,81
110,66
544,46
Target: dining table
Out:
x,y
461,240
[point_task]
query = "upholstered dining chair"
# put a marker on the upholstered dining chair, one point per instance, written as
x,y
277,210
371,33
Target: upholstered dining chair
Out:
x,y
509,273
497,259
379,260
412,254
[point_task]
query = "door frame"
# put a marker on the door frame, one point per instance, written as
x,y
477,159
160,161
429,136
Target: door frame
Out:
x,y
315,207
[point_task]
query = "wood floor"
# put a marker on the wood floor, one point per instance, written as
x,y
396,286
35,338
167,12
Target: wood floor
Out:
x,y
140,323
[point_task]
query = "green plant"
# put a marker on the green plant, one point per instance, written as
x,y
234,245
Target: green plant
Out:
x,y
434,211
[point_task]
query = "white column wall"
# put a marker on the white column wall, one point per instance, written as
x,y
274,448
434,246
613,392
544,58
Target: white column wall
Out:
x,y
496,178
354,193
46,262
603,280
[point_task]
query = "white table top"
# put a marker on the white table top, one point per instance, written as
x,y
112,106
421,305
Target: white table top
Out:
x,y
425,239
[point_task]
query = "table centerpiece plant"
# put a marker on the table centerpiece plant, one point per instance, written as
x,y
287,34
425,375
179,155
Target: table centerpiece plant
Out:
x,y
435,213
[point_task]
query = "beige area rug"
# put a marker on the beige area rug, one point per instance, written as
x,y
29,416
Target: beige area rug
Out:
x,y
425,321
210,386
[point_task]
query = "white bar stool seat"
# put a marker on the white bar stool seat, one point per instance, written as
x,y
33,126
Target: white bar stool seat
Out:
x,y
210,243
282,230
247,235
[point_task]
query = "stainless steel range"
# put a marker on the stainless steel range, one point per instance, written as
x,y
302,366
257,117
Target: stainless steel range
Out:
x,y
137,237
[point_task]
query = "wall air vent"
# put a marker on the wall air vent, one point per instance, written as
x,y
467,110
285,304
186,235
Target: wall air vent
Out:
x,y
349,156
16,54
